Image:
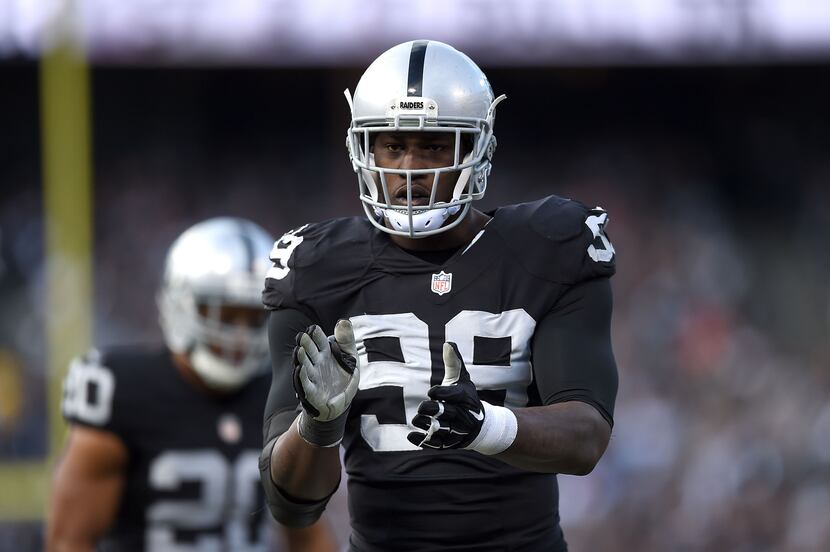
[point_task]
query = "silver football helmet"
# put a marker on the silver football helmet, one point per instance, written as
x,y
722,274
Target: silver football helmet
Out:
x,y
220,262
422,86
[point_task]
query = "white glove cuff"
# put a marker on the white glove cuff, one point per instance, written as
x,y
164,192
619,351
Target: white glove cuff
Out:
x,y
497,432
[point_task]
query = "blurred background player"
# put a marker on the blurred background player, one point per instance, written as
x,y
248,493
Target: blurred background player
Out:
x,y
162,453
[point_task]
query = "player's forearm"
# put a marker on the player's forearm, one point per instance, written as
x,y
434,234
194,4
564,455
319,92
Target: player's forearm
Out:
x,y
86,491
63,543
565,438
302,470
76,523
71,527
315,538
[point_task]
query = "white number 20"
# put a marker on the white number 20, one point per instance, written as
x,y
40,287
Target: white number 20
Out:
x,y
88,390
227,497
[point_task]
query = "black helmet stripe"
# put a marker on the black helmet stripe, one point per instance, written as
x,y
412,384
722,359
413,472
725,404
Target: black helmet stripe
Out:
x,y
415,78
248,244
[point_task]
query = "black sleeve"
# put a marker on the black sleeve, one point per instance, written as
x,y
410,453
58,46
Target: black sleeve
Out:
x,y
281,406
572,355
280,411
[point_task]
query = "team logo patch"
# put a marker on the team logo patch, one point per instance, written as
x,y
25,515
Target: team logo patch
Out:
x,y
229,428
441,283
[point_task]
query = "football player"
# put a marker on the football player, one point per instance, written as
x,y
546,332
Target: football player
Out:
x,y
163,447
462,357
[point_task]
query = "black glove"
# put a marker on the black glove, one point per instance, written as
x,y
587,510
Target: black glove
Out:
x,y
457,418
454,416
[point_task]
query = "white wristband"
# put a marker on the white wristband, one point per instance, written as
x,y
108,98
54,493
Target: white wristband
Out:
x,y
497,432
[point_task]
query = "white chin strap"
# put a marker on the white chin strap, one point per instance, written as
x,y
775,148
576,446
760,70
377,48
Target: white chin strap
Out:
x,y
421,222
218,373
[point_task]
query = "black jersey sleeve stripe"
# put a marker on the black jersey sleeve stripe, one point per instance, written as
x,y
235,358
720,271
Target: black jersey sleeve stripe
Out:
x,y
415,77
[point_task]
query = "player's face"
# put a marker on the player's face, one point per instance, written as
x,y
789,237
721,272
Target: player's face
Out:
x,y
233,317
417,150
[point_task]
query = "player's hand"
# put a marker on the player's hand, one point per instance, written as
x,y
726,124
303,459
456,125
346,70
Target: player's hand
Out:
x,y
456,418
326,377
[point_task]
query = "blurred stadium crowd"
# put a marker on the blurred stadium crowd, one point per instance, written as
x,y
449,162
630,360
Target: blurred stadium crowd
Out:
x,y
718,185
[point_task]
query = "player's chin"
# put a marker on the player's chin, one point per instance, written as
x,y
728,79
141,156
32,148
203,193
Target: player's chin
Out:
x,y
235,356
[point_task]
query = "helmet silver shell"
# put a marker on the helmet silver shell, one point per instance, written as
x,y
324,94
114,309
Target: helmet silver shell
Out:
x,y
422,86
217,262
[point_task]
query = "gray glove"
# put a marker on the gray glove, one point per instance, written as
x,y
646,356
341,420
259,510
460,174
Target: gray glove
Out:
x,y
326,377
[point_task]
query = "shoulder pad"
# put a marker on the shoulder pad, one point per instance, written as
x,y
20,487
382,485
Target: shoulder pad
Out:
x,y
338,250
559,239
110,389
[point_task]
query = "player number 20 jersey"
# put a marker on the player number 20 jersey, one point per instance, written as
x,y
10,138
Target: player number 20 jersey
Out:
x,y
192,482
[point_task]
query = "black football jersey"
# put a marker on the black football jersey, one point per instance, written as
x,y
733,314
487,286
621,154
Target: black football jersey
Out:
x,y
487,298
192,481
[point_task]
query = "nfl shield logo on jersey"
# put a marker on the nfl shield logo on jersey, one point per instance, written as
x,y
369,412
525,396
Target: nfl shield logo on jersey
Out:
x,y
441,283
229,428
